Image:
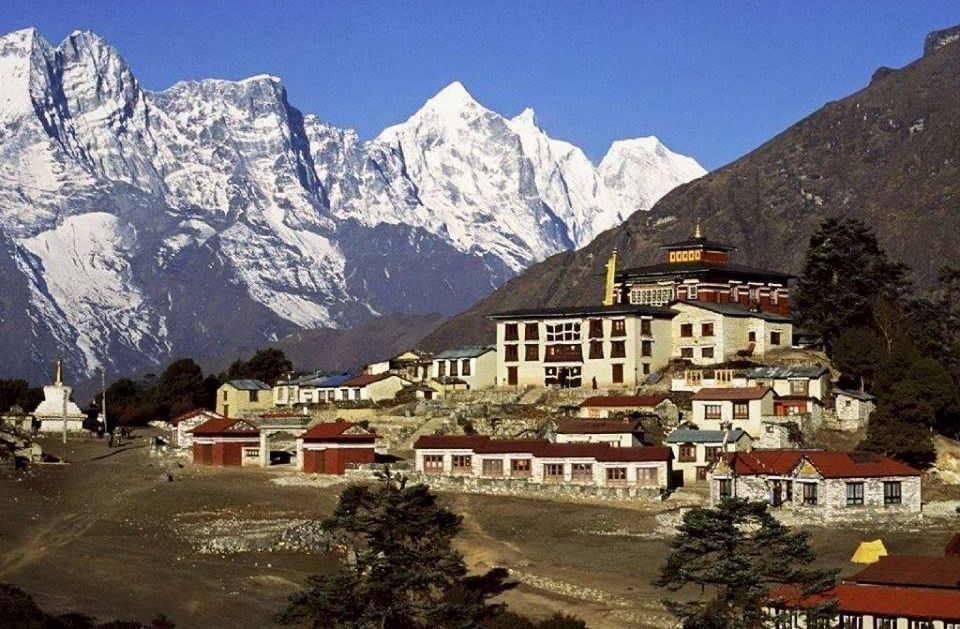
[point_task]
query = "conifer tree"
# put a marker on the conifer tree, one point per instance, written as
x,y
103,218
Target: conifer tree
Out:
x,y
729,558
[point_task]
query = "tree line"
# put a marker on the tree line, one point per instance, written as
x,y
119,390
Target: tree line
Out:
x,y
885,336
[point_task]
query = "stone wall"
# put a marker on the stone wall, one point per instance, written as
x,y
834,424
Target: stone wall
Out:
x,y
523,488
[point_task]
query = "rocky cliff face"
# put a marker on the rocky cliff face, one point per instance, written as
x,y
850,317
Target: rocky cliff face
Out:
x,y
888,154
213,215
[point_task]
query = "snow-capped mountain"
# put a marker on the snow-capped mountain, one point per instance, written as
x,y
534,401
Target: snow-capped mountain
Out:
x,y
214,215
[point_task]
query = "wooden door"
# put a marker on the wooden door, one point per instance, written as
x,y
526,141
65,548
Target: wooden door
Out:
x,y
512,376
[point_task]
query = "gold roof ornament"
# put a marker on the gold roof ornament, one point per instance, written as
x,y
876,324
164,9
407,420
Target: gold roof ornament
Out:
x,y
697,231
608,288
58,370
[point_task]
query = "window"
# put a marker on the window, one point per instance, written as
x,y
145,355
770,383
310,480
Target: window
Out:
x,y
692,292
531,352
702,472
809,493
618,349
850,621
441,368
564,353
511,353
884,623
646,348
725,488
741,410
462,463
616,475
688,453
520,468
465,366
453,369
818,620
645,368
706,352
646,327
331,395
920,624
616,374
582,472
596,328
647,476
799,387
712,411
774,338
493,467
596,349
553,472
356,394
706,329
618,327
531,332
686,330
254,396
433,464
224,396
712,453
686,352
512,376
344,394
510,332
569,331
651,296
854,494
752,336
891,492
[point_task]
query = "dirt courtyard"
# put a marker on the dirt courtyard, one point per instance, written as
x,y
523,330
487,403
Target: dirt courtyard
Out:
x,y
108,535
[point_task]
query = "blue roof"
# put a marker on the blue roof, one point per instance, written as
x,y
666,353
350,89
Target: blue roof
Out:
x,y
704,436
334,381
248,385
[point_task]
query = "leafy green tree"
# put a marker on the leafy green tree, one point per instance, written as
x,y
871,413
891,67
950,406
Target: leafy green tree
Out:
x,y
19,393
729,558
908,441
181,386
267,365
845,272
859,355
399,567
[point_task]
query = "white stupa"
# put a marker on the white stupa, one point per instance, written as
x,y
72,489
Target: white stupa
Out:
x,y
57,403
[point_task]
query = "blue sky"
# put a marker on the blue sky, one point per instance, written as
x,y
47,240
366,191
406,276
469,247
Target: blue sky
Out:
x,y
711,79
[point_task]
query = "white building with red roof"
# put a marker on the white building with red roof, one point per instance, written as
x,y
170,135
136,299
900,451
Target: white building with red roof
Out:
x,y
181,425
819,483
370,387
332,447
618,433
605,406
729,408
540,462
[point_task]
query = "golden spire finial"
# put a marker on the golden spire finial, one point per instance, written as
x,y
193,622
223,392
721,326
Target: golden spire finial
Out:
x,y
697,231
609,290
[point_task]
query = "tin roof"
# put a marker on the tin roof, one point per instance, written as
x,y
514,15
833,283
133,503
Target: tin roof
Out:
x,y
598,427
735,310
863,397
912,570
705,436
249,384
366,379
586,311
830,463
225,427
601,452
623,401
339,431
790,371
884,601
467,351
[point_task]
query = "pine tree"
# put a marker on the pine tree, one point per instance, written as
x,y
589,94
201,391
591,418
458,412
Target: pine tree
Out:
x,y
729,558
845,272
399,569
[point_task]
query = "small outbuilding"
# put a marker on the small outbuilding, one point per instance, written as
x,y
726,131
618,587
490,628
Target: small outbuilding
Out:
x,y
222,441
853,408
330,447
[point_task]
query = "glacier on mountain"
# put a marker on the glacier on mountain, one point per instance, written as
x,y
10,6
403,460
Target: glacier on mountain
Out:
x,y
144,223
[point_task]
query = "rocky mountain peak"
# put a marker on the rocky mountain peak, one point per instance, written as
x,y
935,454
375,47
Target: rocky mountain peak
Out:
x,y
938,39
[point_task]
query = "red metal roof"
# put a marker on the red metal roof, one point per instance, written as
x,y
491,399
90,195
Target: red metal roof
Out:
x,y
597,427
226,426
879,600
365,379
912,570
622,401
197,412
722,394
830,463
338,431
449,442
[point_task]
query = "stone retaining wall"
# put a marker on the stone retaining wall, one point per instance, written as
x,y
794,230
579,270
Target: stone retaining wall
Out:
x,y
523,488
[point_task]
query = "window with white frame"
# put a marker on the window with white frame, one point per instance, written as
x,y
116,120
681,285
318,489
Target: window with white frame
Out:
x,y
567,331
651,296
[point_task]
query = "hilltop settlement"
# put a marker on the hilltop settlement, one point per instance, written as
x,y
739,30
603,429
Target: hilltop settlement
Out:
x,y
687,384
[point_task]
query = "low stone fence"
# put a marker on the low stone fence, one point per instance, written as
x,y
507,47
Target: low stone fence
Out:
x,y
524,488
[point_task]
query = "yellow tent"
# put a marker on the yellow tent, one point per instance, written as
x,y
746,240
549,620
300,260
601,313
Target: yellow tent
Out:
x,y
869,552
